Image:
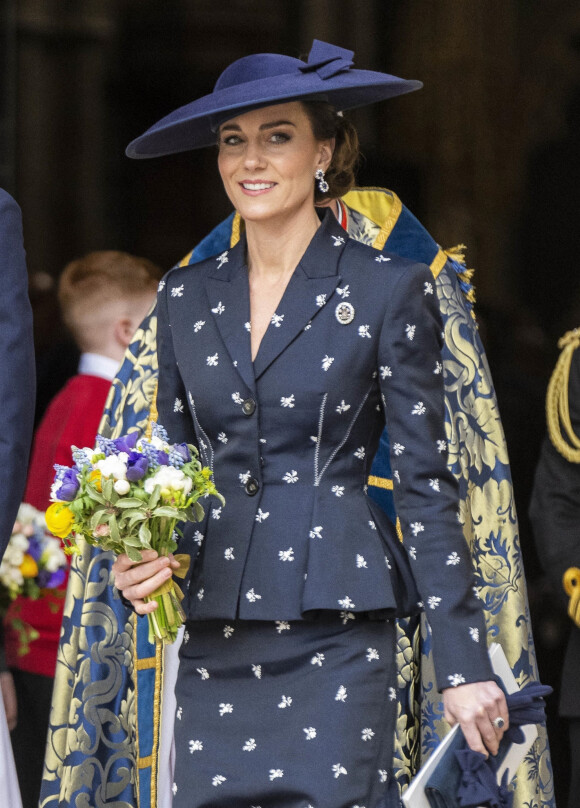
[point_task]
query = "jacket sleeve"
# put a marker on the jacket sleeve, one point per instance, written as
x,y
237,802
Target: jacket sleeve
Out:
x,y
555,502
425,492
17,372
172,403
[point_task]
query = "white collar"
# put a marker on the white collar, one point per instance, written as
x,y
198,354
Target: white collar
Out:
x,y
92,364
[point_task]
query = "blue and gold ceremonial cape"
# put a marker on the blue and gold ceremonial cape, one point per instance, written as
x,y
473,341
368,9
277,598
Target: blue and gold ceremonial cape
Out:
x,y
103,741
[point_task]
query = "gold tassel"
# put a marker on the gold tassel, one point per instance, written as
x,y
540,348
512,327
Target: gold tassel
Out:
x,y
557,403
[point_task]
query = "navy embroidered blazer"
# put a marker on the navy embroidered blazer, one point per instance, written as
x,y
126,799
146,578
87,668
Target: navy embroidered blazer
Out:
x,y
291,438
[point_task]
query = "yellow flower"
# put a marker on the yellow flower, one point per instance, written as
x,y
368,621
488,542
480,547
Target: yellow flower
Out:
x,y
95,477
59,519
29,567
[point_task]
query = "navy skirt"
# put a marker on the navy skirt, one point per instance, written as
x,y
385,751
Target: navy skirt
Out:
x,y
285,715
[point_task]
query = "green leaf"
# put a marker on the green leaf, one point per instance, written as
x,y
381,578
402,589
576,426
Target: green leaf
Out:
x,y
129,502
108,490
114,528
132,541
96,518
145,534
166,510
134,554
154,498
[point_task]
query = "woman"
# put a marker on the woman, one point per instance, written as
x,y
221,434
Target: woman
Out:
x,y
283,359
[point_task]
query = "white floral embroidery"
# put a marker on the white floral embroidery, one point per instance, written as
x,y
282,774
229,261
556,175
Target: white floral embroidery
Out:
x,y
372,525
343,292
225,708
222,437
456,679
257,671
286,555
346,616
392,694
285,702
438,368
185,637
291,476
218,780
372,654
453,559
364,331
419,409
434,483
244,477
413,552
203,672
342,407
316,532
433,601
212,361
360,453
195,746
396,475
320,300
385,371
381,259
410,332
441,445
308,326
338,490
367,734
276,773
179,713
174,788
317,659
228,631
338,770
248,326
236,398
261,515
161,286
222,259
277,320
197,326
398,448
198,538
476,592
178,405
250,745
253,596
282,625
338,240
383,775
200,593
428,288
474,634
229,554
360,562
287,401
216,513
310,733
177,291
417,527
219,309
346,603
327,362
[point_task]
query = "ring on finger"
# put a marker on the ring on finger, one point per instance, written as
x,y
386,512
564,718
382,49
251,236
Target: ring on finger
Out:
x,y
498,722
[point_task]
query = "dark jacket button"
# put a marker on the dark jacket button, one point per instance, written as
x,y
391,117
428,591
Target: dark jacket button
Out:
x,y
252,487
248,406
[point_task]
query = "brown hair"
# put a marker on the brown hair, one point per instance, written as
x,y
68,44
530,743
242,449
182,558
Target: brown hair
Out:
x,y
100,280
327,123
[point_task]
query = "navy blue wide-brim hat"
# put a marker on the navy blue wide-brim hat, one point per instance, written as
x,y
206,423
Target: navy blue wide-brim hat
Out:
x,y
263,79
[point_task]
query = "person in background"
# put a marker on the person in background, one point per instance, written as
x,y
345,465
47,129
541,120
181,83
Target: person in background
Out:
x,y
17,389
103,298
555,516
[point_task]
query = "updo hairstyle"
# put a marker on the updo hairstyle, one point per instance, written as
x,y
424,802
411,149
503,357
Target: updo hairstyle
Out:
x,y
327,123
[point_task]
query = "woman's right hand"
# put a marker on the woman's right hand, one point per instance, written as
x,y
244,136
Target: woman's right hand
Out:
x,y
137,580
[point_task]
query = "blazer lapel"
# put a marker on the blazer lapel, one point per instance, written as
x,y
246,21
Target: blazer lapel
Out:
x,y
308,291
229,301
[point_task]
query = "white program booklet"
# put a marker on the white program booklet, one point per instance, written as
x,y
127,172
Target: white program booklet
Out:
x,y
415,797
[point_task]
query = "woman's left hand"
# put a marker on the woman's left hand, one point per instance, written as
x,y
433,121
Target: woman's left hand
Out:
x,y
475,707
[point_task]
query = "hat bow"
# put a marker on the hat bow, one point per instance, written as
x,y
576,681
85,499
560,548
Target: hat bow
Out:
x,y
327,60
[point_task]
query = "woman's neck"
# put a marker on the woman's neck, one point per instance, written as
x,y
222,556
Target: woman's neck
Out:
x,y
275,249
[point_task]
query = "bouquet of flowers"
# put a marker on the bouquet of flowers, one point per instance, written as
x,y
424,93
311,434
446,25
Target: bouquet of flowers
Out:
x,y
128,495
32,564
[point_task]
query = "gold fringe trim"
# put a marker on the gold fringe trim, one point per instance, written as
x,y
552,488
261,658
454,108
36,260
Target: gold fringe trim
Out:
x,y
557,403
185,261
145,762
156,720
457,253
399,530
388,224
236,229
380,482
145,664
438,262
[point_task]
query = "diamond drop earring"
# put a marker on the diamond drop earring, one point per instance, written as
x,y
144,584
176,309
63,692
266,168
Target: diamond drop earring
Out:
x,y
322,184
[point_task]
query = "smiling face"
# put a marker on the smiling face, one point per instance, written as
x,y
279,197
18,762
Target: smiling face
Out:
x,y
267,160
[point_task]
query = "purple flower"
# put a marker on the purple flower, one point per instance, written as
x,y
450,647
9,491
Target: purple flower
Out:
x,y
34,548
126,443
70,485
50,580
162,458
181,449
137,466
